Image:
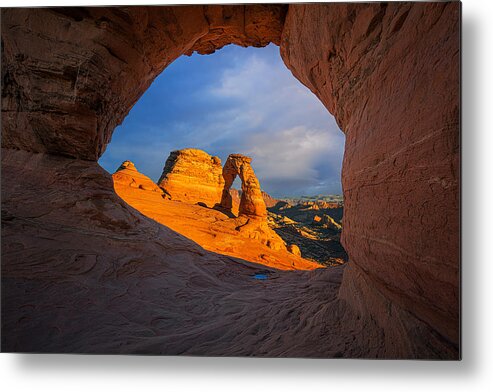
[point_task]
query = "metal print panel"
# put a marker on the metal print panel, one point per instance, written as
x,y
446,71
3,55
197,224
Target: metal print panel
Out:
x,y
288,186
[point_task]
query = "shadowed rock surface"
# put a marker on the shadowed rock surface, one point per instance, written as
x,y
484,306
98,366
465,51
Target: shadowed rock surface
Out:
x,y
314,226
389,73
317,241
84,272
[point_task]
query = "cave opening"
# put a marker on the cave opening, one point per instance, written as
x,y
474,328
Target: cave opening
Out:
x,y
246,101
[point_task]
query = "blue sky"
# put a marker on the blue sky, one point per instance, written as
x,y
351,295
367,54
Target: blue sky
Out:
x,y
237,100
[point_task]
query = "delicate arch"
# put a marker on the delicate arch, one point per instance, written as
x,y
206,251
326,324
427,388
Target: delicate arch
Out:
x,y
251,202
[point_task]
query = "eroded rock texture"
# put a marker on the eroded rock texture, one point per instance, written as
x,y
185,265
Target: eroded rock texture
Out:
x,y
128,175
193,176
389,73
71,75
251,200
84,272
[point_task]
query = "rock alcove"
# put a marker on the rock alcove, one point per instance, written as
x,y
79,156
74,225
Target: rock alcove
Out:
x,y
80,268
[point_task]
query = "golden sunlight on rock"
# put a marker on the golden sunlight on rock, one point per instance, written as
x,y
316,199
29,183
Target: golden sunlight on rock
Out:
x,y
192,176
193,184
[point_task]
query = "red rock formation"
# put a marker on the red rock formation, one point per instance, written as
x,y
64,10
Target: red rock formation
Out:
x,y
236,196
128,174
269,200
249,239
389,72
251,202
193,176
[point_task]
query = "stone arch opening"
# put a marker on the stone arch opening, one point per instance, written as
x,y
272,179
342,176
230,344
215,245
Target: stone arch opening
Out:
x,y
71,75
297,166
251,203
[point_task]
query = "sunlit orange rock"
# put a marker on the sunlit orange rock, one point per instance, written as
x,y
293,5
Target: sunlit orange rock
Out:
x,y
127,174
251,200
193,176
236,197
248,238
294,249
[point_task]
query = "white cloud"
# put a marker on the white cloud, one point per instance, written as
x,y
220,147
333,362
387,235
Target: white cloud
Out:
x,y
289,153
255,107
282,125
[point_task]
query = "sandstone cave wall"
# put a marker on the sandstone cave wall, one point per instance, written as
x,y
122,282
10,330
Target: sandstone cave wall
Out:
x,y
70,75
389,73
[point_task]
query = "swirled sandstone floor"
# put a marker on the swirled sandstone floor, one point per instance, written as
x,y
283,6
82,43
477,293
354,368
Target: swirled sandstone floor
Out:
x,y
82,272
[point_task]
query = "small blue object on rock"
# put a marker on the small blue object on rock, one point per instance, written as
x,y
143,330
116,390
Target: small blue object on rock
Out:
x,y
260,276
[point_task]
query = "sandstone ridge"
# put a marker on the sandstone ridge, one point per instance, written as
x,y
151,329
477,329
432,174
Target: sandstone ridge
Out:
x,y
128,174
246,237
